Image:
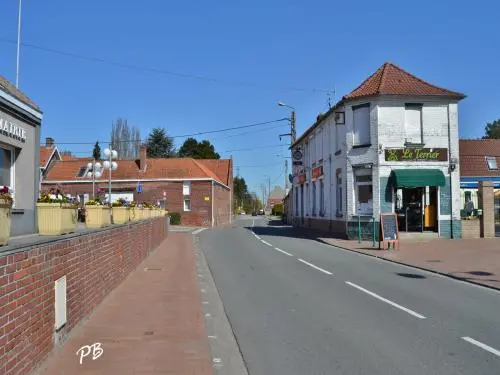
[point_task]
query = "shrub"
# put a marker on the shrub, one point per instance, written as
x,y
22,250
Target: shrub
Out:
x,y
277,209
175,218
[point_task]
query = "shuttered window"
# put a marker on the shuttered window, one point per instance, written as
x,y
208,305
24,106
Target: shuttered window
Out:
x,y
413,123
361,125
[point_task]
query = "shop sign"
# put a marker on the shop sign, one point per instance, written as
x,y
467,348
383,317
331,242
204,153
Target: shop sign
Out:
x,y
297,155
12,130
416,154
302,178
317,172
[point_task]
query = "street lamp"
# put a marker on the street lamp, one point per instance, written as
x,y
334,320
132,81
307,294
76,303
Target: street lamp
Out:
x,y
111,165
95,171
292,134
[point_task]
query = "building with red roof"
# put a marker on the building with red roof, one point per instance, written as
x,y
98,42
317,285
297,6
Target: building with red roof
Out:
x,y
199,190
389,147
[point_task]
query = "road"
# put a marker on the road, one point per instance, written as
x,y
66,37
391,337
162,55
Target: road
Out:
x,y
297,306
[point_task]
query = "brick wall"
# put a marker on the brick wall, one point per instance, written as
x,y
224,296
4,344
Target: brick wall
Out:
x,y
201,209
94,264
222,205
471,229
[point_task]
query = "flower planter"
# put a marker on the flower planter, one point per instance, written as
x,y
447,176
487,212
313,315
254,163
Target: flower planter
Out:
x,y
5,217
146,213
69,218
121,215
97,216
138,216
51,219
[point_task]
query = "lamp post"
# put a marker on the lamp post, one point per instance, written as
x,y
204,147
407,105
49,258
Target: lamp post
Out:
x,y
111,165
95,171
292,135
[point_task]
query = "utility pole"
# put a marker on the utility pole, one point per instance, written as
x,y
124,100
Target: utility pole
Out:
x,y
18,44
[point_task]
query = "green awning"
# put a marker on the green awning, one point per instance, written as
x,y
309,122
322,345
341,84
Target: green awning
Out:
x,y
411,178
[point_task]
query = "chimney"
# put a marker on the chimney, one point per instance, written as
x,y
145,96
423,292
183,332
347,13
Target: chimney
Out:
x,y
143,153
49,142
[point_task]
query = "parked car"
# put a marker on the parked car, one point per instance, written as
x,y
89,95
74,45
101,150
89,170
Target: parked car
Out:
x,y
261,212
254,213
243,213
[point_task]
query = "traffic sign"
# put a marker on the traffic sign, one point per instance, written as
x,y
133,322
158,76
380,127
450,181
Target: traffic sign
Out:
x,y
139,187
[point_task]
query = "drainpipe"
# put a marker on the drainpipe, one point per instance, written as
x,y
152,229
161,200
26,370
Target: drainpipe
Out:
x,y
450,172
212,203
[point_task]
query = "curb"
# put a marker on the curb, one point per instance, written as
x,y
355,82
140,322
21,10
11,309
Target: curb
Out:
x,y
413,266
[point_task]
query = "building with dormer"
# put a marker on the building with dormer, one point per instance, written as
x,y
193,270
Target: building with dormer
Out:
x,y
389,146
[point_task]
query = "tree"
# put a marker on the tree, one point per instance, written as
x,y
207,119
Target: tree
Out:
x,y
160,145
125,139
492,130
96,154
202,150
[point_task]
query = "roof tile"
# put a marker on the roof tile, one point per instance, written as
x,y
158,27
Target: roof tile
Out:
x,y
473,155
390,79
10,89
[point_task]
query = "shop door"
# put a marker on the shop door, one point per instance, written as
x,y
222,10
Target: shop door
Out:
x,y
430,209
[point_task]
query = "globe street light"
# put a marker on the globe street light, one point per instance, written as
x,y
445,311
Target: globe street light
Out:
x,y
110,165
94,171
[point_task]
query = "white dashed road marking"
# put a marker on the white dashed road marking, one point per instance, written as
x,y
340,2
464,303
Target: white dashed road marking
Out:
x,y
482,346
315,267
283,251
411,312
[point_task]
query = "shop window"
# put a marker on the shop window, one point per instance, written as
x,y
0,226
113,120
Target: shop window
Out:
x,y
6,175
187,204
363,191
492,163
339,194
413,124
314,198
186,188
361,125
321,198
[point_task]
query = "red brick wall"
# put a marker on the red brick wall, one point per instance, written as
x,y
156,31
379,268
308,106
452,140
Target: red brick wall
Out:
x,y
201,209
94,264
222,205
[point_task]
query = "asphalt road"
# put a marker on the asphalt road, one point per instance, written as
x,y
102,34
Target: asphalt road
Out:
x,y
297,306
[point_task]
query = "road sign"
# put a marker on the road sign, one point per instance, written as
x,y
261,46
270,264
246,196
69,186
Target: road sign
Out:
x,y
297,155
297,163
139,187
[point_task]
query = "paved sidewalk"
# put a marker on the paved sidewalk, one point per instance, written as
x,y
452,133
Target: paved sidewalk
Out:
x,y
151,324
474,260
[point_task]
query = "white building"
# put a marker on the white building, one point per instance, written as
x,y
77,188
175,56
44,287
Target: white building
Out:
x,y
390,146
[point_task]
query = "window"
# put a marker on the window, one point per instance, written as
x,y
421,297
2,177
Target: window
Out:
x,y
6,175
339,193
296,202
321,198
308,197
82,172
413,123
361,125
314,198
302,200
337,140
187,204
363,191
492,162
186,188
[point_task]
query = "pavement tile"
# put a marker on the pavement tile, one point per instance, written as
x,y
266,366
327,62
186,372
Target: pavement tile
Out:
x,y
474,260
151,324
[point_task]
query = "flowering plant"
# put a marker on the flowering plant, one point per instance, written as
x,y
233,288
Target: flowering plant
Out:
x,y
5,194
53,195
121,202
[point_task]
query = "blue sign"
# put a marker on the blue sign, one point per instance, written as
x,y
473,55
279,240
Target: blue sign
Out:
x,y
139,187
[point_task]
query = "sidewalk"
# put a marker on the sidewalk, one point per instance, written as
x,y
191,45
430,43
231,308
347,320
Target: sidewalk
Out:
x,y
151,324
474,260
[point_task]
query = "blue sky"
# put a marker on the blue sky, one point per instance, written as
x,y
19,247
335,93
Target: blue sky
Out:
x,y
273,44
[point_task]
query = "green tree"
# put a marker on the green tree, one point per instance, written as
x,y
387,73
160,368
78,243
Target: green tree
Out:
x,y
492,130
96,154
191,148
160,145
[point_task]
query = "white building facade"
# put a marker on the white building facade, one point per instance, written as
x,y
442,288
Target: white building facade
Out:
x,y
390,146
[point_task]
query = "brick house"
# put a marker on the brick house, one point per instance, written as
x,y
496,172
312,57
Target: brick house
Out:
x,y
200,190
389,146
480,161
